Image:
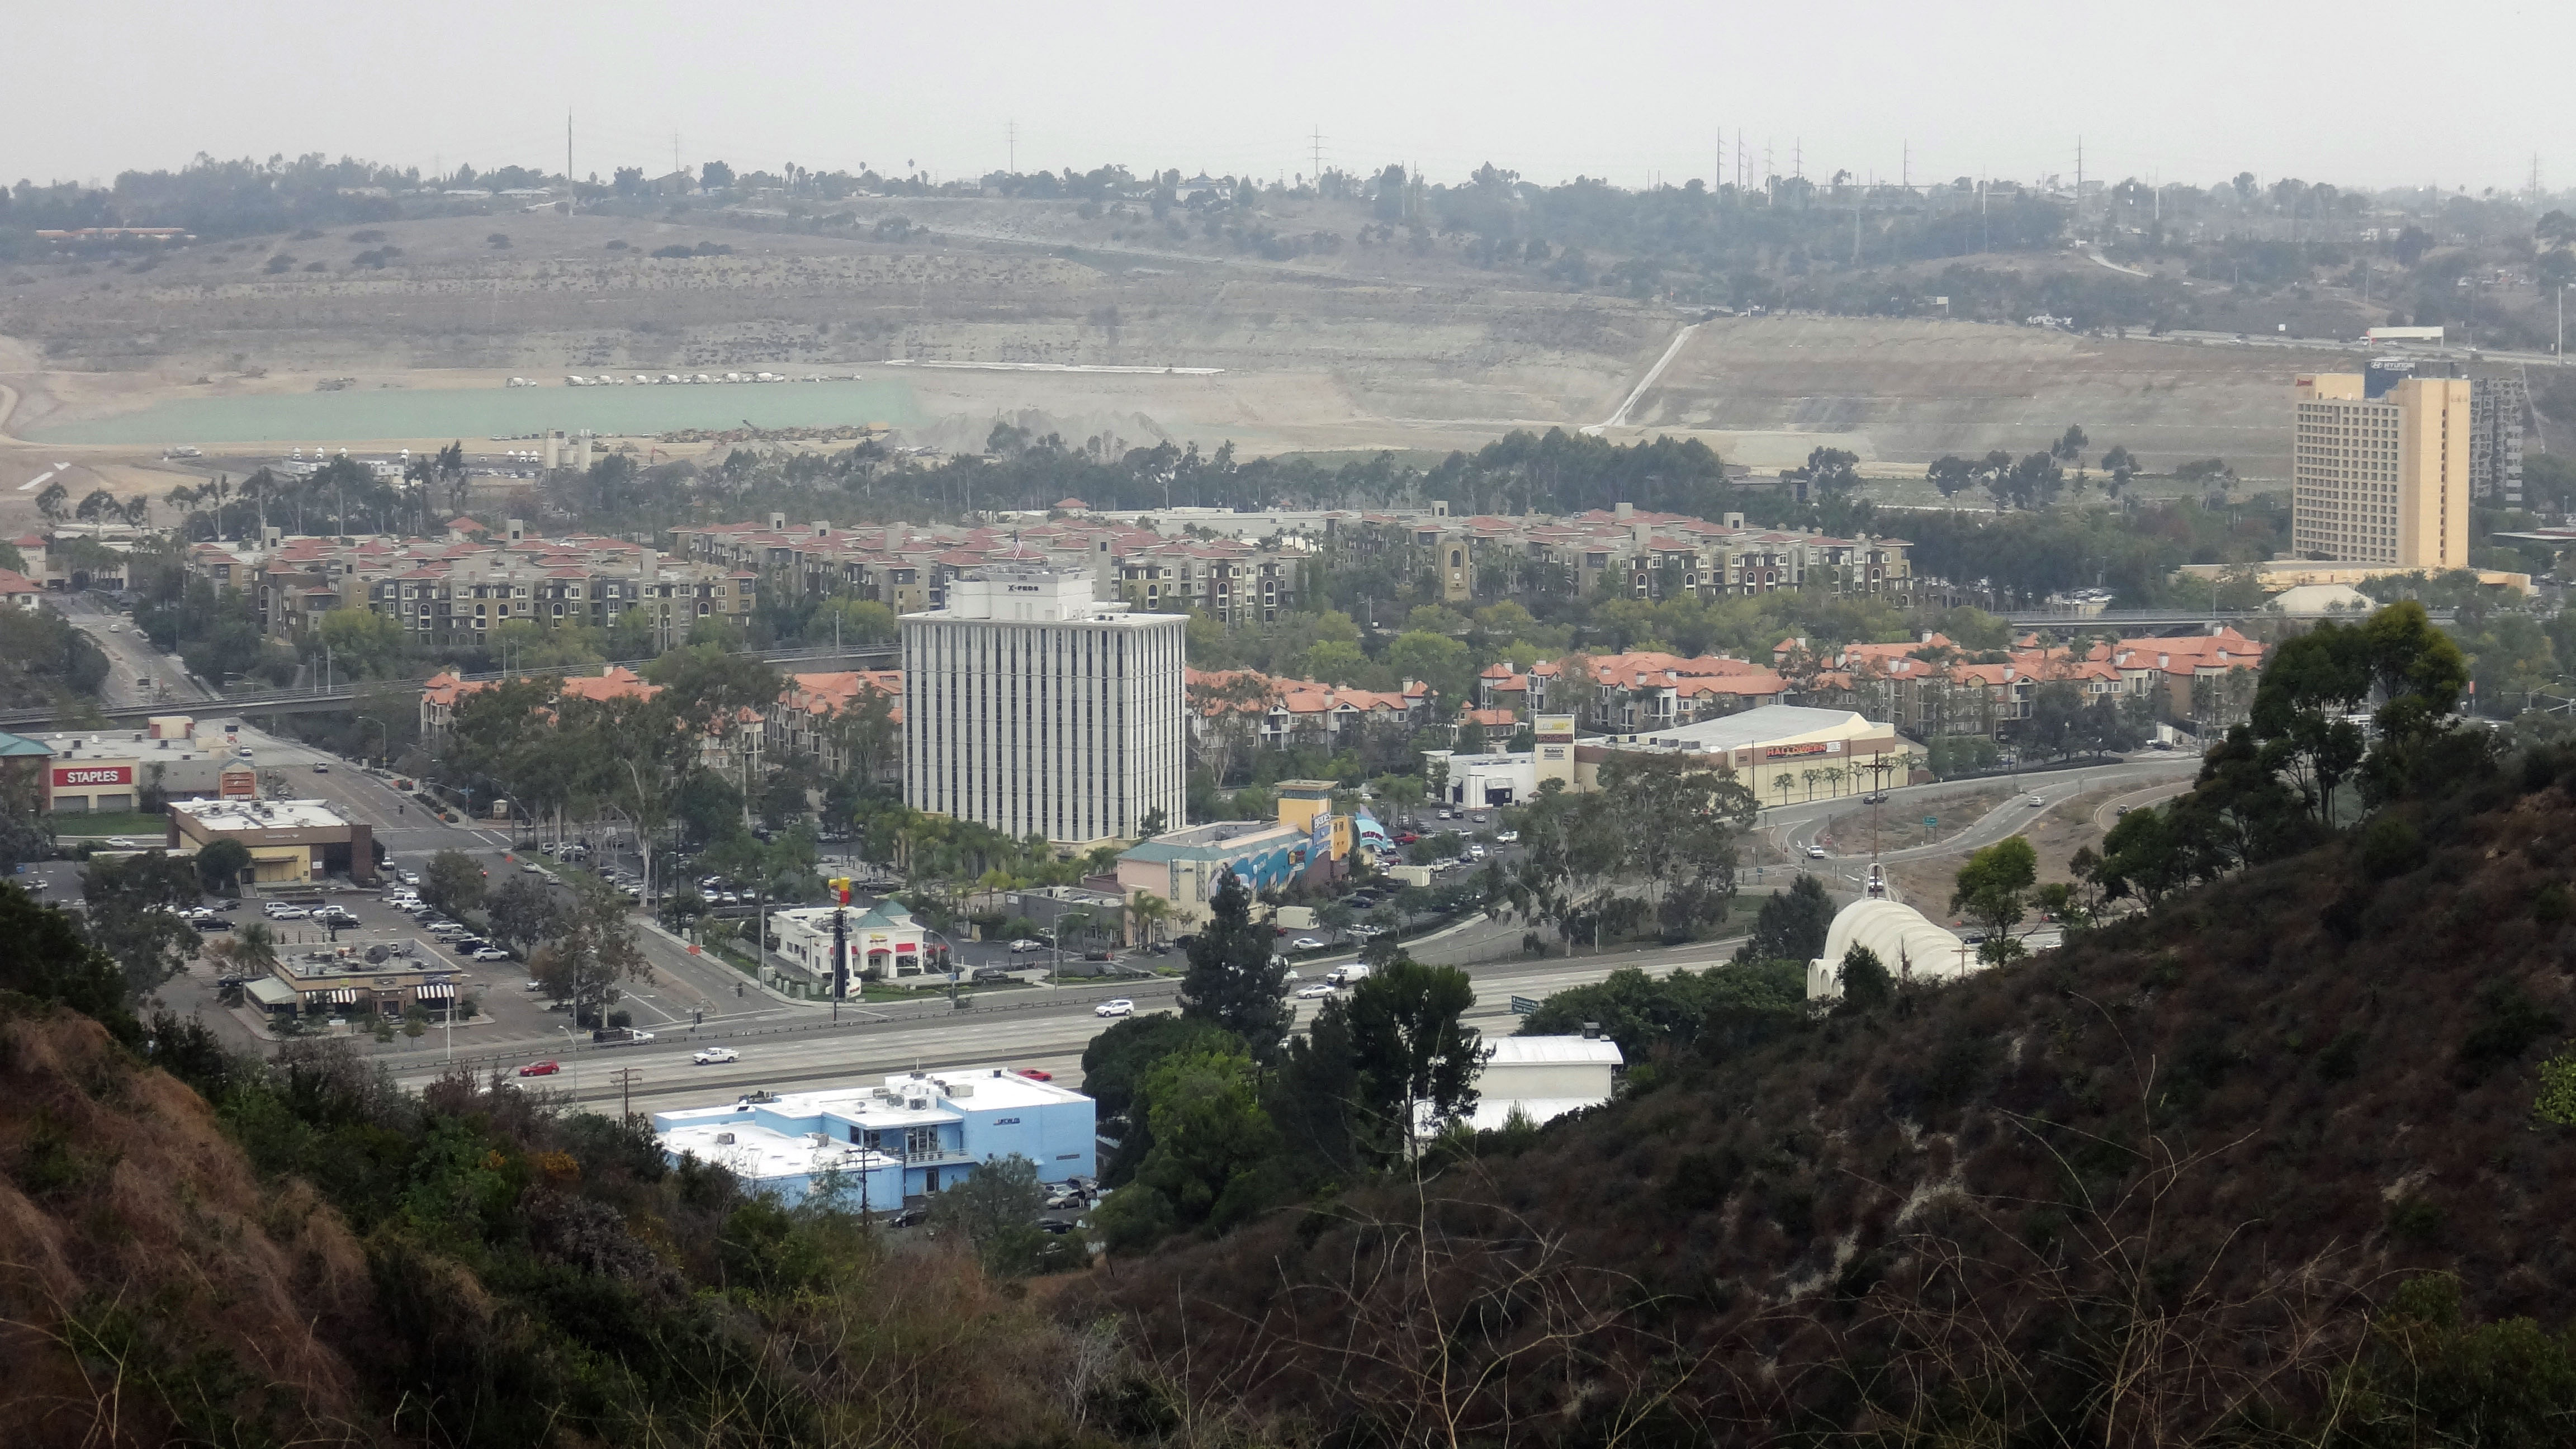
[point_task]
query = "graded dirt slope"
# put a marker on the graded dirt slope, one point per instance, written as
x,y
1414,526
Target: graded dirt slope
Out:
x,y
1347,347
1902,392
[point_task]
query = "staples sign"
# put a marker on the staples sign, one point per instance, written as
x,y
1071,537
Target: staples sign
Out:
x,y
81,777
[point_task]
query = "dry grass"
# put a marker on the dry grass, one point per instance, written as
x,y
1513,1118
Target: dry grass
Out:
x,y
146,1279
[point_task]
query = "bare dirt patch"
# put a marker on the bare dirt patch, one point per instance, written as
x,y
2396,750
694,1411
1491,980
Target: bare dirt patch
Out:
x,y
2059,832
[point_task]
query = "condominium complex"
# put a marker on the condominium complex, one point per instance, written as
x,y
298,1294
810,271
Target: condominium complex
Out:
x,y
458,589
1034,708
2382,471
908,568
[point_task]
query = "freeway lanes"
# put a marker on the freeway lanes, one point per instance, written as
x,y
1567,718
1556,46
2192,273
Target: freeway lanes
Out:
x,y
1048,1035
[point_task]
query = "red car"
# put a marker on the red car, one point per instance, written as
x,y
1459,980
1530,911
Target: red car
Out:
x,y
1408,838
1033,1074
540,1069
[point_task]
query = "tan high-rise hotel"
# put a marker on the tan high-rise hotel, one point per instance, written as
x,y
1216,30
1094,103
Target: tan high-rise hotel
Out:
x,y
2383,469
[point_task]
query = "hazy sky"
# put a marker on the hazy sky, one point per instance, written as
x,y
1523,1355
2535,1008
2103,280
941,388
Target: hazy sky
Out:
x,y
2180,90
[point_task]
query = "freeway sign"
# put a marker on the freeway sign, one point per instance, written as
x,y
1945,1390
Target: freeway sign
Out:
x,y
1524,1006
1930,821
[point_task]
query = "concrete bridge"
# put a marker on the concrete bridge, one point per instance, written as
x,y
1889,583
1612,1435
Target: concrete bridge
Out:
x,y
341,698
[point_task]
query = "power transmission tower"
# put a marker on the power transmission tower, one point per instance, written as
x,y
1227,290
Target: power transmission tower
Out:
x,y
1318,140
570,195
1012,147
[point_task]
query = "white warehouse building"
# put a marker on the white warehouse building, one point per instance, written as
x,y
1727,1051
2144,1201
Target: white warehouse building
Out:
x,y
1033,708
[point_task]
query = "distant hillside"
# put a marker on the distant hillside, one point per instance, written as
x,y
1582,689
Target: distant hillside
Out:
x,y
2168,1185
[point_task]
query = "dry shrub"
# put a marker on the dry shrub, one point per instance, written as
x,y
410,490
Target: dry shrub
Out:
x,y
148,1286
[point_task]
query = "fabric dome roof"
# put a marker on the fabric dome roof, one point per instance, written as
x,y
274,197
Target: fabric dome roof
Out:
x,y
1912,948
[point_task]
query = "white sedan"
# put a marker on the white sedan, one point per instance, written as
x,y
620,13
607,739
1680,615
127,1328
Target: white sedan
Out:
x,y
1318,990
1307,943
1115,1006
491,953
715,1056
1024,945
1815,852
288,913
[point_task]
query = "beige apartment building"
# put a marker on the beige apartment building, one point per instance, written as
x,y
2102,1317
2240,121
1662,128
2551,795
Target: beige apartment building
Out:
x,y
2382,471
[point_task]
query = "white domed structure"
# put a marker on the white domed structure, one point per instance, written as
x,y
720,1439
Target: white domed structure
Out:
x,y
1912,948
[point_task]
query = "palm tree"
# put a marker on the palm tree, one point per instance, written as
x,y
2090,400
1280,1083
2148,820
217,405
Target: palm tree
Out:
x,y
1146,913
1784,782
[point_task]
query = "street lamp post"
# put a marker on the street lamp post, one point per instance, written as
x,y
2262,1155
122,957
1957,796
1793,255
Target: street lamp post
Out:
x,y
384,738
572,1048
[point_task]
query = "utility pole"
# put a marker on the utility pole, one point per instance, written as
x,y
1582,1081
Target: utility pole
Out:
x,y
1013,147
1318,140
570,196
626,1093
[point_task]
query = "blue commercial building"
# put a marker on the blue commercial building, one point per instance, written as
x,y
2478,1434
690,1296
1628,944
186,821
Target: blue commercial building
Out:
x,y
884,1146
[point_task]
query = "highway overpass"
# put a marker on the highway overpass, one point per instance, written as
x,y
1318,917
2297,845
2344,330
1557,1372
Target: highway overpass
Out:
x,y
269,703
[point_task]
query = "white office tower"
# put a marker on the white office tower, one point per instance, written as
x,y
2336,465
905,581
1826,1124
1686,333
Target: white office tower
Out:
x,y
1033,708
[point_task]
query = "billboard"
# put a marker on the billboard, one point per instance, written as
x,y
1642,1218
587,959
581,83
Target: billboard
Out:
x,y
90,777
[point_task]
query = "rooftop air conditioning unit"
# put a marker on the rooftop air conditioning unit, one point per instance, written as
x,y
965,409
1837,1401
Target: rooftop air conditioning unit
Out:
x,y
724,1139
919,1104
819,1139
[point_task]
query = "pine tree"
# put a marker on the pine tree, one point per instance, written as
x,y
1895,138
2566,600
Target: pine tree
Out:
x,y
1235,979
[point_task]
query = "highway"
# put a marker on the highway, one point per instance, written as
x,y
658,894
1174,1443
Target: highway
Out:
x,y
130,658
1047,1034
1797,828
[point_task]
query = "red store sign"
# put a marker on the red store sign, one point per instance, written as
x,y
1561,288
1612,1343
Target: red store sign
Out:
x,y
82,777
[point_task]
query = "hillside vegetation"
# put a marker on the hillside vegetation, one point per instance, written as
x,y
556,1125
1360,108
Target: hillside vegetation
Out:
x,y
2262,1165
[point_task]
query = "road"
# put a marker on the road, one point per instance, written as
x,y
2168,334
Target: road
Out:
x,y
130,657
1796,828
1048,1035
1619,419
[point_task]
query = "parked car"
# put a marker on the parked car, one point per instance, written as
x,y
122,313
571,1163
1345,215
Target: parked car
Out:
x,y
288,913
540,1069
1024,945
1115,1006
714,1056
1033,1074
530,867
1316,992
1100,955
1408,838
1307,943
1507,837
534,985
490,953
